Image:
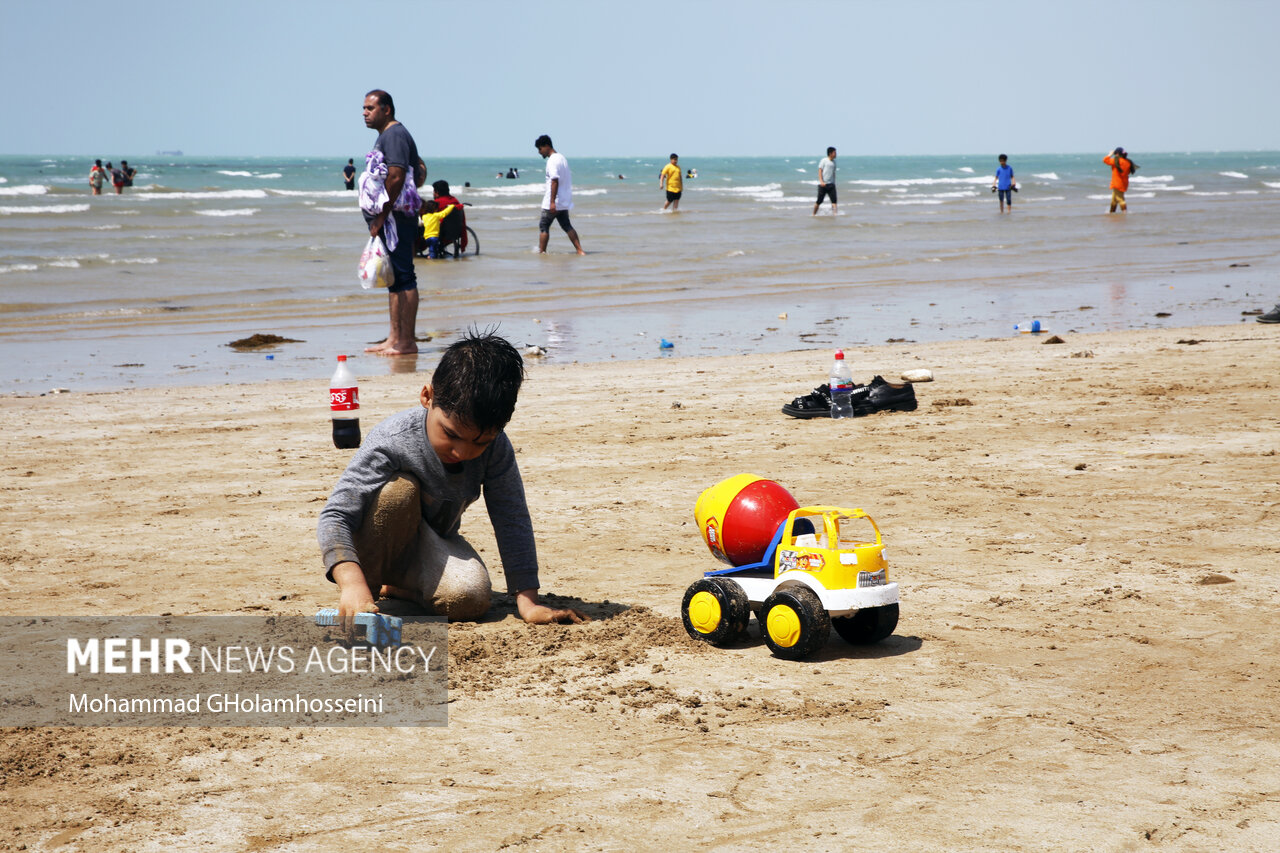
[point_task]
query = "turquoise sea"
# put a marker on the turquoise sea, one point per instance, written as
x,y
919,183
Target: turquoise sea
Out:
x,y
147,288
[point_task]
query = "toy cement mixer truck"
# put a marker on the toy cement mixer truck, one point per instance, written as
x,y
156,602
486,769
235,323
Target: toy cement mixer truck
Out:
x,y
801,570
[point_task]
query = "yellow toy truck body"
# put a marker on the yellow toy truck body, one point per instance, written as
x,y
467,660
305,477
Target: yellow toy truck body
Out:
x,y
818,572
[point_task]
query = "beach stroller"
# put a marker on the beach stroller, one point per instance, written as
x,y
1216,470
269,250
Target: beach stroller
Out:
x,y
456,238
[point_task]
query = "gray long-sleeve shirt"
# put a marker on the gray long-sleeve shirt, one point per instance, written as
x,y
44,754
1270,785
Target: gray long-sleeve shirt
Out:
x,y
399,445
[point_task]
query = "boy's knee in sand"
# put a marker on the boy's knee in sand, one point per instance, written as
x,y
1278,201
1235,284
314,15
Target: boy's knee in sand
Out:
x,y
402,557
448,576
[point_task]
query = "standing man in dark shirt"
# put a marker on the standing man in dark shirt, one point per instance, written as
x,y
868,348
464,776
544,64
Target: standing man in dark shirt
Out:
x,y
349,173
405,173
128,172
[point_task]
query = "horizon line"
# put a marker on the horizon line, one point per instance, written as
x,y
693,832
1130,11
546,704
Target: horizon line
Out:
x,y
184,154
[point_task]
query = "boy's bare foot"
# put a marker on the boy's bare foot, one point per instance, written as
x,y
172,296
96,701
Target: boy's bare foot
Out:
x,y
389,591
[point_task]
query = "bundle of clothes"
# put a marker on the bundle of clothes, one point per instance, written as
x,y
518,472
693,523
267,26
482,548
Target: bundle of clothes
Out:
x,y
373,195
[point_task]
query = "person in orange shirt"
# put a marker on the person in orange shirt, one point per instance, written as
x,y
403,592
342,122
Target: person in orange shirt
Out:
x,y
1121,168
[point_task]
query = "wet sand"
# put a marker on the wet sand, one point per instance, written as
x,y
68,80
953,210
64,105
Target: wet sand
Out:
x,y
1084,534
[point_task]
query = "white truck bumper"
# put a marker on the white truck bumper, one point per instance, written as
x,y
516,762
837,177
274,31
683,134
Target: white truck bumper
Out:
x,y
838,602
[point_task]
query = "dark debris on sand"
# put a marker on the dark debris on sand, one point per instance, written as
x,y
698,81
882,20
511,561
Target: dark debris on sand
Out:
x,y
258,341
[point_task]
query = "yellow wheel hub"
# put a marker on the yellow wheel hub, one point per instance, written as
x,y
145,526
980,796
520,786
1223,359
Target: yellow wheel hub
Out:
x,y
783,625
704,612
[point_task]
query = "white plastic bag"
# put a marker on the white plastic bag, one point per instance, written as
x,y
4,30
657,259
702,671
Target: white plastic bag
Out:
x,y
375,265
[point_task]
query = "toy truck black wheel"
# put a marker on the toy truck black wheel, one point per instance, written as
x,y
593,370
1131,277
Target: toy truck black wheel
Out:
x,y
869,625
715,610
795,624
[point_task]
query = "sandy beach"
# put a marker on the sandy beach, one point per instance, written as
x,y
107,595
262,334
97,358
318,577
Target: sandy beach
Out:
x,y
1085,536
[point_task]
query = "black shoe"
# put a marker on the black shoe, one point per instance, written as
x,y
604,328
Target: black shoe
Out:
x,y
815,405
1272,316
880,396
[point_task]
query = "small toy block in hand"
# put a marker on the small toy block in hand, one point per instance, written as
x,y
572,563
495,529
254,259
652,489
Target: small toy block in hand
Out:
x,y
380,629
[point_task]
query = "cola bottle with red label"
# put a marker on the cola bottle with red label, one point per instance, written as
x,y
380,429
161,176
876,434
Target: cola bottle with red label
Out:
x,y
344,406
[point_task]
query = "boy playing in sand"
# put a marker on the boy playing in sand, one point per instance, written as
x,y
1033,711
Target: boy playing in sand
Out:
x,y
391,525
432,216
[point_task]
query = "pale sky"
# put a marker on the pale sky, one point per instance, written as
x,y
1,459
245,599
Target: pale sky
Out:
x,y
611,78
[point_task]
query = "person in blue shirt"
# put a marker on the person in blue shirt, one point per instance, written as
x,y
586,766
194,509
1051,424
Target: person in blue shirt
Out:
x,y
1004,183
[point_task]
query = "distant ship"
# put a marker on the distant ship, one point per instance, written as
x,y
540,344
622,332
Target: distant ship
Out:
x,y
168,153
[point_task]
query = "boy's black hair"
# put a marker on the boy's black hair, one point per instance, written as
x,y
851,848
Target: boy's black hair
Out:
x,y
543,140
430,206
830,149
1003,157
478,379
441,187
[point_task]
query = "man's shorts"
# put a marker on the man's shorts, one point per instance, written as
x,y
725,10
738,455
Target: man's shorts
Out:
x,y
825,191
561,216
673,196
1117,197
1006,196
402,255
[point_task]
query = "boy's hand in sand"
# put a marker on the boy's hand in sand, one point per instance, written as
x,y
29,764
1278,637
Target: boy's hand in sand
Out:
x,y
354,595
536,613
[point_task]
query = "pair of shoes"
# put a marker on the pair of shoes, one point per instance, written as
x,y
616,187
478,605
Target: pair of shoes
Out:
x,y
1272,316
880,396
815,405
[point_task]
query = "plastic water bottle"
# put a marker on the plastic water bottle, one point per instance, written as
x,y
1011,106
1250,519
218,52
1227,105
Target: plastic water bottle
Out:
x,y
1030,327
344,406
841,386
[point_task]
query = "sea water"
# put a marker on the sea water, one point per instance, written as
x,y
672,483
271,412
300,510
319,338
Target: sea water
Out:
x,y
149,287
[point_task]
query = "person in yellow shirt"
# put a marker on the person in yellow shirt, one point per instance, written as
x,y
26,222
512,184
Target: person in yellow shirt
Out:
x,y
432,215
671,181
